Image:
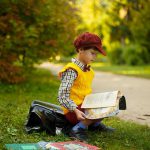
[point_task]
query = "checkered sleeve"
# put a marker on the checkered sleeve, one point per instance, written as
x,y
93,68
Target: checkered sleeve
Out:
x,y
67,81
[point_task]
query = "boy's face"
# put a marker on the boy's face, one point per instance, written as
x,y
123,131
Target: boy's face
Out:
x,y
87,56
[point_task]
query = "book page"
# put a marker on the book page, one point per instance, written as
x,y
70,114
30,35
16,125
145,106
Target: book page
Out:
x,y
103,112
98,100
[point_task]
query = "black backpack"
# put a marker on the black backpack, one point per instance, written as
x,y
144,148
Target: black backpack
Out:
x,y
46,116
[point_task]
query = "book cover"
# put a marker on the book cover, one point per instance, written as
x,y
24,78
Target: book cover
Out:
x,y
72,145
27,146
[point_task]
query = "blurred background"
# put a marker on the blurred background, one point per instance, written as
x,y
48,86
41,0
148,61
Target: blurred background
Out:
x,y
33,31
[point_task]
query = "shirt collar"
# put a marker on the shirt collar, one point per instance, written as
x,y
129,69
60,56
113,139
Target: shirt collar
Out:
x,y
78,63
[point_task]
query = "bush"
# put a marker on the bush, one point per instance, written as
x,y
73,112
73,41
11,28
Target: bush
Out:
x,y
115,55
9,72
132,54
135,55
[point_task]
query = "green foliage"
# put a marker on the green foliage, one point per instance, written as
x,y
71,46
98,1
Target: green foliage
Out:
x,y
135,55
116,54
90,15
125,22
140,23
132,54
35,30
15,101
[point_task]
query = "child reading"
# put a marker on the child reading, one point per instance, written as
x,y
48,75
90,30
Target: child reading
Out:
x,y
76,79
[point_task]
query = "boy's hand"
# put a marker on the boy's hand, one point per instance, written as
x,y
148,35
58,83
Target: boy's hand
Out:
x,y
80,115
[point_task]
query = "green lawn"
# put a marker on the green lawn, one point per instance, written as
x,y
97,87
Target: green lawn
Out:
x,y
137,71
15,101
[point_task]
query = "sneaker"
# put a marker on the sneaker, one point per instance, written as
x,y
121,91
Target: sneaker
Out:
x,y
79,134
101,127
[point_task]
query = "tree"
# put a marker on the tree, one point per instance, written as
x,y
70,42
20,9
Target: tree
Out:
x,y
121,24
33,30
140,25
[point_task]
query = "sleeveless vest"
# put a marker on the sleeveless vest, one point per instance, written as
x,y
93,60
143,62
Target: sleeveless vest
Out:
x,y
81,86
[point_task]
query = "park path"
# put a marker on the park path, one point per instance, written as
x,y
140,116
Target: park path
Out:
x,y
136,91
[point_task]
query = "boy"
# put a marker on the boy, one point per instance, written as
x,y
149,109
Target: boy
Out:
x,y
76,79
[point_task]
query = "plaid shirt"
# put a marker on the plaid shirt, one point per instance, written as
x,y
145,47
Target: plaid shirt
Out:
x,y
67,80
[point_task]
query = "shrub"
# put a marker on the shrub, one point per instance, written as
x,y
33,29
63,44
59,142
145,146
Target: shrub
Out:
x,y
134,54
9,72
115,55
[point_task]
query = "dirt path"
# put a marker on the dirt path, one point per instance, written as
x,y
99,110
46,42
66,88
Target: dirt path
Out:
x,y
136,91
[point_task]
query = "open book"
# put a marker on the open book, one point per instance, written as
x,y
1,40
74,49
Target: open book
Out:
x,y
101,105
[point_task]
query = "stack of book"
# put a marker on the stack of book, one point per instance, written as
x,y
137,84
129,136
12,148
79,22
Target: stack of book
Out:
x,y
69,145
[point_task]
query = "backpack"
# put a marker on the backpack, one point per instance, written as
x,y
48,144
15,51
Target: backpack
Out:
x,y
46,116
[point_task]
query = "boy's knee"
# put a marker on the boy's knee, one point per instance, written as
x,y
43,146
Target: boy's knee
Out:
x,y
88,121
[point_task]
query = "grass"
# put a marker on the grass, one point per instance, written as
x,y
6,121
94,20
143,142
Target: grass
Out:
x,y
137,71
15,101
